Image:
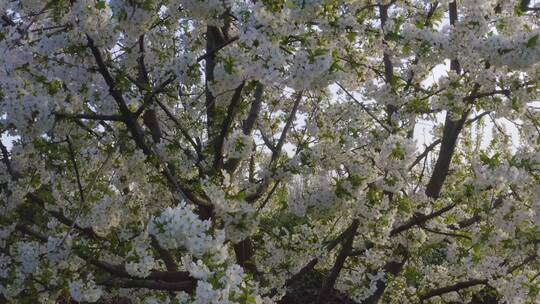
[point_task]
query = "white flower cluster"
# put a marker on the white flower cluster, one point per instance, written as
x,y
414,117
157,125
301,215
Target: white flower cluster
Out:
x,y
268,60
385,95
198,269
207,11
27,255
58,249
133,19
313,192
30,114
228,74
238,145
513,289
343,160
496,176
397,153
85,291
179,227
140,260
520,51
182,66
218,282
104,215
286,251
310,70
7,230
5,263
370,287
229,288
238,216
92,20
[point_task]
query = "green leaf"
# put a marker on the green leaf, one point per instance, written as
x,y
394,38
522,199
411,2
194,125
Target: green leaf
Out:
x,y
491,162
228,65
518,11
532,41
356,180
53,87
404,205
341,192
101,5
515,104
398,152
351,36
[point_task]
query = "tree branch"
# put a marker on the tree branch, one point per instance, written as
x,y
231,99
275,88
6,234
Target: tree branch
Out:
x,y
225,126
129,120
187,286
456,287
138,135
183,130
90,116
89,232
277,150
76,168
7,162
249,123
425,153
286,128
164,254
338,265
387,61
451,132
366,109
157,278
392,268
419,219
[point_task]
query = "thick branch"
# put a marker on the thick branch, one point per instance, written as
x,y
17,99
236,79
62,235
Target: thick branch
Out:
x,y
210,52
425,153
456,287
90,116
248,124
143,72
7,162
8,20
89,232
214,38
118,271
451,132
187,286
338,265
225,127
138,134
393,268
277,150
165,255
131,123
420,219
286,128
387,61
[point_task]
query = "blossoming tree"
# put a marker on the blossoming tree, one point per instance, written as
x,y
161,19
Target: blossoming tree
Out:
x,y
205,151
